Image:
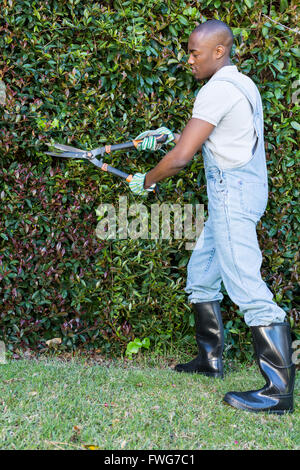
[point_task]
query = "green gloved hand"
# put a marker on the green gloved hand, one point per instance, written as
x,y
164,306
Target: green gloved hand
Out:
x,y
137,185
150,143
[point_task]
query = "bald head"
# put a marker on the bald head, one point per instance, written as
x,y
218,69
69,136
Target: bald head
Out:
x,y
218,32
209,47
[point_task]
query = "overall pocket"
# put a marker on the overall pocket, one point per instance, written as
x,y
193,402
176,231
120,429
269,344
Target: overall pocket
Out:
x,y
217,190
253,197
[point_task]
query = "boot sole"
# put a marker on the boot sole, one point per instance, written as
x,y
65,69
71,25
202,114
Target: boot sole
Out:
x,y
216,375
238,405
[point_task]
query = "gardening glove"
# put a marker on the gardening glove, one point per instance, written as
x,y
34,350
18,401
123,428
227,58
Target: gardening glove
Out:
x,y
150,143
137,185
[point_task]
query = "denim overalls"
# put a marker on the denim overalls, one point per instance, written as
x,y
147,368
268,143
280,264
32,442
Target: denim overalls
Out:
x,y
227,249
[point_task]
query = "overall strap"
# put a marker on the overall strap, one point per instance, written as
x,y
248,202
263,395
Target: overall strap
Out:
x,y
258,162
255,105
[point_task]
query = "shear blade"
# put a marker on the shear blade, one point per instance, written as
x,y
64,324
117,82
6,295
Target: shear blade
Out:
x,y
67,148
65,155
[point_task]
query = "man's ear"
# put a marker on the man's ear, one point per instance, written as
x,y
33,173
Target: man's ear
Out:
x,y
220,51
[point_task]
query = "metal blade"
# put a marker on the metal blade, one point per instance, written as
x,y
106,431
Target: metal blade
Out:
x,y
67,148
66,155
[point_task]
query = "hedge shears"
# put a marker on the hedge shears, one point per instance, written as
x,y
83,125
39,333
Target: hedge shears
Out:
x,y
91,155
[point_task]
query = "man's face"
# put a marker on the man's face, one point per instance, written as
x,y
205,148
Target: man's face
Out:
x,y
202,57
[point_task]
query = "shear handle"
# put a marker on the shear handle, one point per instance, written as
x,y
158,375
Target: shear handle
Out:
x,y
122,174
132,144
115,171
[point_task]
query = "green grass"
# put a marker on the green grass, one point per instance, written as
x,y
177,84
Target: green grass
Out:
x,y
54,404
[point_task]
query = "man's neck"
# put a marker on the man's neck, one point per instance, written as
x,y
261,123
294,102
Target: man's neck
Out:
x,y
224,64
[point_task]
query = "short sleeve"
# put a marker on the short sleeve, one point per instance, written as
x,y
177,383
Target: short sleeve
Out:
x,y
214,101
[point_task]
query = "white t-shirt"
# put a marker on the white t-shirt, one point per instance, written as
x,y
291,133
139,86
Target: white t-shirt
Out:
x,y
224,105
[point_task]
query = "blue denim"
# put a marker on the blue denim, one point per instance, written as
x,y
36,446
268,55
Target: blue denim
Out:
x,y
227,250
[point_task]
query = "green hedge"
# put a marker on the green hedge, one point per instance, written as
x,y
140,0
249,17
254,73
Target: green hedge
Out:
x,y
88,74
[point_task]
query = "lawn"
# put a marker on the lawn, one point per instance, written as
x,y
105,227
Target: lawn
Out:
x,y
52,403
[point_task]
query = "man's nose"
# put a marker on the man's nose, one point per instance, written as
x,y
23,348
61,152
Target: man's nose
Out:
x,y
191,60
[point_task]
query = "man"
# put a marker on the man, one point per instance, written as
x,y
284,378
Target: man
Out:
x,y
227,123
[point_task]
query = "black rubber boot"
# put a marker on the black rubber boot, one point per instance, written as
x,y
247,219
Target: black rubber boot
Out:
x,y
273,349
210,341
